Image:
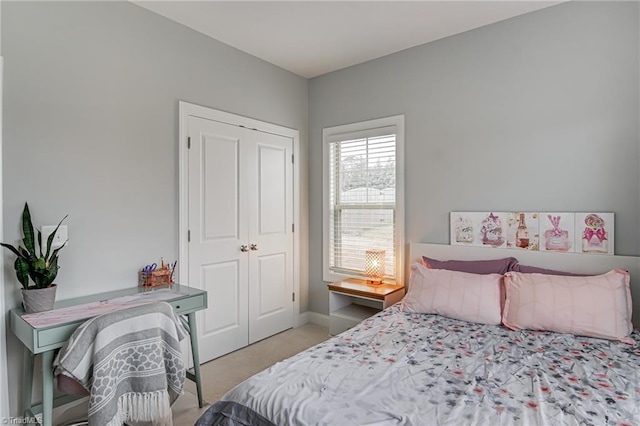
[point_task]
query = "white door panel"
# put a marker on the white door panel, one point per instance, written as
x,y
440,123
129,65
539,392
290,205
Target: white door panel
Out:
x,y
270,304
226,304
224,323
271,266
217,208
240,194
272,276
220,158
272,190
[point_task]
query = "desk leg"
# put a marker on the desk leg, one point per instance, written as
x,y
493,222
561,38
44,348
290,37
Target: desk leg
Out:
x,y
27,381
193,335
47,388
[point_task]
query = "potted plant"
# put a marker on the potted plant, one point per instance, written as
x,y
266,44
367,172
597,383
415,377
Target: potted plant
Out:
x,y
41,267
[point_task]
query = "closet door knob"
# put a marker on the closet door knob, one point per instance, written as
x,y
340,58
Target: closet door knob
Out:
x,y
243,248
254,247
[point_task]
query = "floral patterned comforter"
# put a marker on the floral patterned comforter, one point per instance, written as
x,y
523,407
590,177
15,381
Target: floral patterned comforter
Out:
x,y
399,368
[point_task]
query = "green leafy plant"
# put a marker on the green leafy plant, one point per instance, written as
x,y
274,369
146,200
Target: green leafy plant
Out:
x,y
41,267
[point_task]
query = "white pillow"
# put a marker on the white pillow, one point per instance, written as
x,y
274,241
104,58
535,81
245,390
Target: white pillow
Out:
x,y
459,295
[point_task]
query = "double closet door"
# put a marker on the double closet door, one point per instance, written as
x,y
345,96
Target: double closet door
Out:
x,y
241,238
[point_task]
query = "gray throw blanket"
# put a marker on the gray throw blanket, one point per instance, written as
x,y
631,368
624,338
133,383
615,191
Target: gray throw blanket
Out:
x,y
131,363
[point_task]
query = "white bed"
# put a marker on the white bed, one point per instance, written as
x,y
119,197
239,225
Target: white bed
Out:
x,y
401,368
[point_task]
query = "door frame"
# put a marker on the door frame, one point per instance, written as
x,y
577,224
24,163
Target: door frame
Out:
x,y
188,109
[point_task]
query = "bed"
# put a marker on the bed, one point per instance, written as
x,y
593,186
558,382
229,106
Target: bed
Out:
x,y
406,368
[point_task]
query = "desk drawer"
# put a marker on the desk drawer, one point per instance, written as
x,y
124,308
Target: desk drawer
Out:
x,y
188,305
57,336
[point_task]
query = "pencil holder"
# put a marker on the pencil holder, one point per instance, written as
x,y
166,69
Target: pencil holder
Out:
x,y
154,278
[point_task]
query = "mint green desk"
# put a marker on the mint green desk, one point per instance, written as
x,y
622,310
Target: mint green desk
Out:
x,y
46,340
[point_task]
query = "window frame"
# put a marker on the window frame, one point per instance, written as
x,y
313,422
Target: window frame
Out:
x,y
330,134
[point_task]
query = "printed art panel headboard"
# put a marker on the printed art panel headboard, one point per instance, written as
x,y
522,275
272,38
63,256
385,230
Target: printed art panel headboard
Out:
x,y
569,262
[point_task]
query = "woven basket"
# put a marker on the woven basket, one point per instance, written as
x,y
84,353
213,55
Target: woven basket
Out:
x,y
154,278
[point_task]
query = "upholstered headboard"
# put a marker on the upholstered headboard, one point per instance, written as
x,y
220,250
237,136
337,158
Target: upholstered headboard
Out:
x,y
570,262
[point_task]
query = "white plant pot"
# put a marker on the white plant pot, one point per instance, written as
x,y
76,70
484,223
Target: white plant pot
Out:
x,y
39,299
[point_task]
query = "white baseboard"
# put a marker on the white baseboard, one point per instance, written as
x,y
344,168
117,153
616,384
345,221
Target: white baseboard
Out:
x,y
302,319
313,318
319,319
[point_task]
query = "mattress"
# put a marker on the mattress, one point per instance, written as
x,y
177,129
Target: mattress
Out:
x,y
399,368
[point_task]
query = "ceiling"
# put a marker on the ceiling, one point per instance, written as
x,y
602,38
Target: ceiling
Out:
x,y
311,38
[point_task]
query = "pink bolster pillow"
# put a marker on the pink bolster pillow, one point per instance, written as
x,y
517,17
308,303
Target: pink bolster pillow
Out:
x,y
459,295
594,306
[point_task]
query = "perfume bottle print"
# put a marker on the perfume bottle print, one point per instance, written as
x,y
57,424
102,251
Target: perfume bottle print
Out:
x,y
492,231
594,236
522,233
556,239
464,230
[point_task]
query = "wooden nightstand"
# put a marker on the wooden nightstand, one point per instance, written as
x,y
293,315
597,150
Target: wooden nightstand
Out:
x,y
353,300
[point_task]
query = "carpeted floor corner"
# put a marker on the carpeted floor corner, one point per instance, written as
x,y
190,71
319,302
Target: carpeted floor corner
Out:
x,y
222,374
185,410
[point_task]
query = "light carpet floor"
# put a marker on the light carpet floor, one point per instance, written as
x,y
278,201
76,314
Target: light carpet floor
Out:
x,y
222,374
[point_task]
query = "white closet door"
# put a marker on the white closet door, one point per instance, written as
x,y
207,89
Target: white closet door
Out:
x,y
270,235
218,214
240,222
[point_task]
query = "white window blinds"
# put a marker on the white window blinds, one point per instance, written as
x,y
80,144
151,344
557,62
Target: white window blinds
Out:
x,y
362,199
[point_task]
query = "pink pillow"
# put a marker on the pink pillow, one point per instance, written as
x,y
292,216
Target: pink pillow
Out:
x,y
460,295
595,306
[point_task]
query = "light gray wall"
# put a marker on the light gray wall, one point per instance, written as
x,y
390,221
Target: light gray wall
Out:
x,y
91,126
4,388
538,112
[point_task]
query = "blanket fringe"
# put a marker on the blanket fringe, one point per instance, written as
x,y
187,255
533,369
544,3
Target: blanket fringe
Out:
x,y
144,407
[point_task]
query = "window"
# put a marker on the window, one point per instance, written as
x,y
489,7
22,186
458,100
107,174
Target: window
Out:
x,y
363,197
